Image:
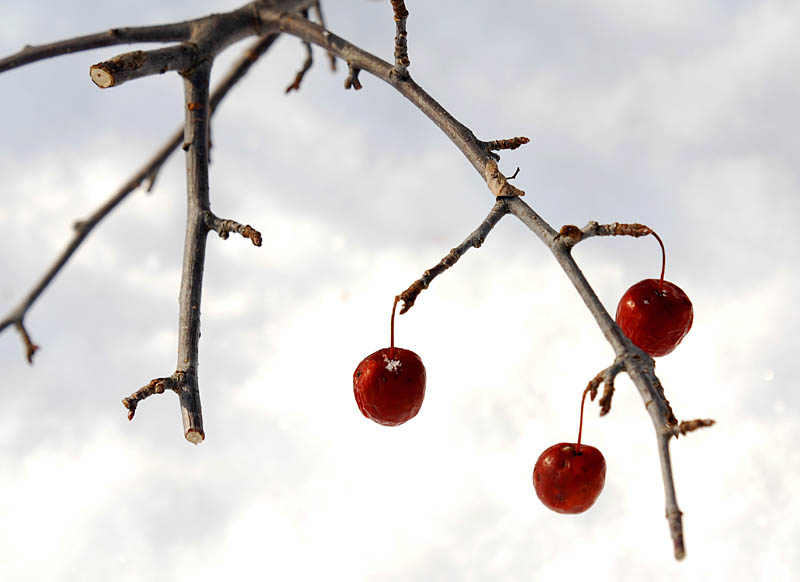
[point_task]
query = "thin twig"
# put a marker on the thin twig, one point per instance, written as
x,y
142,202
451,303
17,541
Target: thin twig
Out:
x,y
570,235
155,386
295,86
475,239
606,377
506,144
401,60
688,426
223,227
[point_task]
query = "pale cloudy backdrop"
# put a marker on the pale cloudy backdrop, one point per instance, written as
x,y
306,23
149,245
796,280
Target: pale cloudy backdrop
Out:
x,y
681,115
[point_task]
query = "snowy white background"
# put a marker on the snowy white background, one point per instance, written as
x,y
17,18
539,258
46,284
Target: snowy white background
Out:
x,y
681,115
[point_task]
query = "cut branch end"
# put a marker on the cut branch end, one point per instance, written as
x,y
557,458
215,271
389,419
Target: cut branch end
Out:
x,y
101,77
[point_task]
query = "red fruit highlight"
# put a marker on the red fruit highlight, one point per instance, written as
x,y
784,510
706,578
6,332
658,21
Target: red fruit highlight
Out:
x,y
389,386
656,315
568,477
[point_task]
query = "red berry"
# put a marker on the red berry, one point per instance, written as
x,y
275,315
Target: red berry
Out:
x,y
655,315
569,481
389,386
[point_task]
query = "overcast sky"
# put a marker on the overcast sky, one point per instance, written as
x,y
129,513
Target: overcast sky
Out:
x,y
680,115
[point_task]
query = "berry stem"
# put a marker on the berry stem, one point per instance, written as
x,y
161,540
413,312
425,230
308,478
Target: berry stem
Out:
x,y
391,335
663,261
580,424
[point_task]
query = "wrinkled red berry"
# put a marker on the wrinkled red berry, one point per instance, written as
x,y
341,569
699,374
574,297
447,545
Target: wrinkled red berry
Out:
x,y
655,319
389,386
568,481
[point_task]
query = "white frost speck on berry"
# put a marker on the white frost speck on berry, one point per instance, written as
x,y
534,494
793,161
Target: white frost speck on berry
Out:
x,y
391,365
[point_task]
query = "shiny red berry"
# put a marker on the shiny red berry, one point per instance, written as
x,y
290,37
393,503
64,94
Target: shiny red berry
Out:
x,y
655,315
389,386
569,477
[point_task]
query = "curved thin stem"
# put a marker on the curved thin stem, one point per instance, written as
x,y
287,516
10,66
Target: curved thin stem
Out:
x,y
580,424
663,261
391,333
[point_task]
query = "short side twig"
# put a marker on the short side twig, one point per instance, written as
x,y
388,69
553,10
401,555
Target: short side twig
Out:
x,y
606,377
570,235
688,426
352,78
155,386
475,239
307,63
223,227
506,144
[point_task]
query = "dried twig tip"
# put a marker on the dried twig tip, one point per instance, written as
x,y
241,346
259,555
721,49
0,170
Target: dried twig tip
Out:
x,y
352,78
688,426
30,347
506,144
224,227
295,86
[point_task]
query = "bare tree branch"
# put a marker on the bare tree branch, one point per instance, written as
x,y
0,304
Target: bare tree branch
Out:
x,y
639,365
215,32
196,146
176,32
147,172
210,35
